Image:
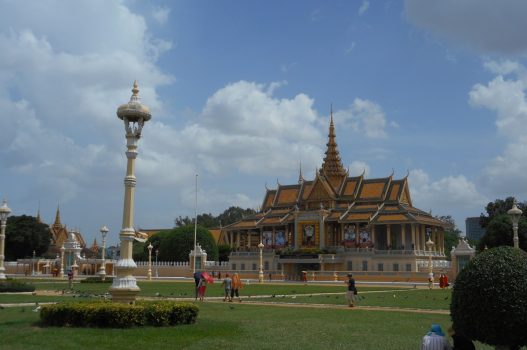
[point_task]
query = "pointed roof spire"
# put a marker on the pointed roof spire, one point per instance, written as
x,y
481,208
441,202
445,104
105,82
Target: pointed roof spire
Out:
x,y
300,176
332,166
57,217
39,220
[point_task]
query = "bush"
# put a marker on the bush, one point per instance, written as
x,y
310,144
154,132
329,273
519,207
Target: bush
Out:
x,y
14,286
106,314
489,298
96,279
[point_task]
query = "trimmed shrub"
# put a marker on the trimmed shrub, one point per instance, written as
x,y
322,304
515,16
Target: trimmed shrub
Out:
x,y
106,314
14,286
96,279
489,298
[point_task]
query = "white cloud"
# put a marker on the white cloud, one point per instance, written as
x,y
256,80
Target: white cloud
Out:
x,y
244,126
451,195
350,48
364,7
358,167
364,116
160,14
481,24
506,174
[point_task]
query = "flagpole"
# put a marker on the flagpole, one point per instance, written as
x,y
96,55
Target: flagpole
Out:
x,y
195,224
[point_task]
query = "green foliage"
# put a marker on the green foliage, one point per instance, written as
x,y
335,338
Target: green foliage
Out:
x,y
104,314
498,207
24,234
14,286
176,244
224,250
229,216
489,299
499,233
139,251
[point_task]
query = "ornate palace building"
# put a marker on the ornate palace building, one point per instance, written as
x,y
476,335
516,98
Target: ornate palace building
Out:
x,y
337,222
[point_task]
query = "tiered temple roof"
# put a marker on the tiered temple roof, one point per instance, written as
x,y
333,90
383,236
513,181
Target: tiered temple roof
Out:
x,y
343,198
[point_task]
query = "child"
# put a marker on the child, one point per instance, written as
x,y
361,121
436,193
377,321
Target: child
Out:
x,y
202,287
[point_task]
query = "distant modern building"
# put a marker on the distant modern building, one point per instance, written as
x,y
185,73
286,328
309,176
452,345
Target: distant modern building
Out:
x,y
473,229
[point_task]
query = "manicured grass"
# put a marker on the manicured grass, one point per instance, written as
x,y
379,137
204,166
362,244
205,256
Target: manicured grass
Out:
x,y
234,326
435,299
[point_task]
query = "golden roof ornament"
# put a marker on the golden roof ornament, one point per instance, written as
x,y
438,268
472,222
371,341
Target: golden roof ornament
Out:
x,y
332,165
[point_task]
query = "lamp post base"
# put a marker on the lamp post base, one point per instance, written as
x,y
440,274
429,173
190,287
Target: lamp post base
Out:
x,y
126,296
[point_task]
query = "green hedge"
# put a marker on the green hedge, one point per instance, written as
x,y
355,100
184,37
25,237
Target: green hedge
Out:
x,y
97,279
13,286
106,314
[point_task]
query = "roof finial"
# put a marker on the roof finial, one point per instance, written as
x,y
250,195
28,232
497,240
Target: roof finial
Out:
x,y
300,177
135,90
331,114
57,217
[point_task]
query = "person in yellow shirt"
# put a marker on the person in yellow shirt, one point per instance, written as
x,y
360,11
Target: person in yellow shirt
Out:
x,y
236,286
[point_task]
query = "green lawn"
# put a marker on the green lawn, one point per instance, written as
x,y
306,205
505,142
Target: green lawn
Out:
x,y
234,326
241,325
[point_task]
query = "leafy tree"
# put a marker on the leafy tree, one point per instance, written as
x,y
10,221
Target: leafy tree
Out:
x,y
205,220
234,214
499,232
176,244
489,298
25,234
224,251
138,251
498,207
183,221
451,233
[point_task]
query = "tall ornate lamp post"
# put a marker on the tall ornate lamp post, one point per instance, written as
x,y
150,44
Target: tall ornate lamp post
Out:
x,y
62,249
515,214
149,274
157,254
33,263
430,245
102,272
134,115
4,213
260,272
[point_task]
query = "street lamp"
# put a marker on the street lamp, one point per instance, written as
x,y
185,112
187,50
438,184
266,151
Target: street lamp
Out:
x,y
149,274
33,263
102,272
515,214
134,115
157,254
62,249
430,245
4,213
260,273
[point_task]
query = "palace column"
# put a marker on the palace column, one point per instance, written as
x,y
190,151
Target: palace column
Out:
x,y
373,235
388,236
415,238
124,287
238,235
249,234
403,236
423,237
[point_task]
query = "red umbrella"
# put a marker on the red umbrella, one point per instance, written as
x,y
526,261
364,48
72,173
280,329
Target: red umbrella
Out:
x,y
207,277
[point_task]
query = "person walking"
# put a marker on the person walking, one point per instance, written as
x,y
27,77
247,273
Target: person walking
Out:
x,y
70,279
197,278
435,339
202,287
236,286
227,285
352,290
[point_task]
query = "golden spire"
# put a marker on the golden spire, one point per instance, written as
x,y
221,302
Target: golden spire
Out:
x,y
57,217
300,176
332,166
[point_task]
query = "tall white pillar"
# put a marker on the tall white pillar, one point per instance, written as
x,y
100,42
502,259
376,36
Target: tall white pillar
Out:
x,y
134,115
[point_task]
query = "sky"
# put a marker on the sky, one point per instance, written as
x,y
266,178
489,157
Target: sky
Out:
x,y
241,92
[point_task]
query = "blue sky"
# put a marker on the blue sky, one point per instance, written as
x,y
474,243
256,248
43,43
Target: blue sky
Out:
x,y
240,93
